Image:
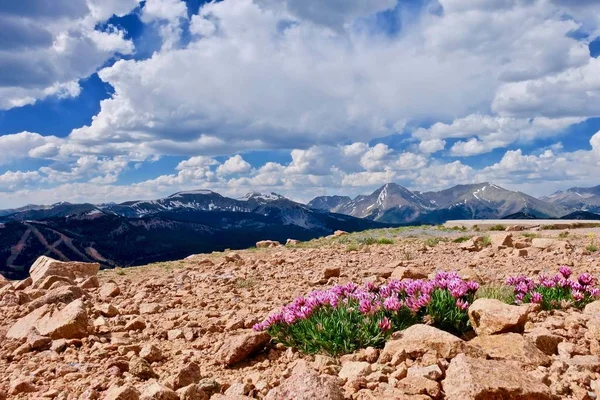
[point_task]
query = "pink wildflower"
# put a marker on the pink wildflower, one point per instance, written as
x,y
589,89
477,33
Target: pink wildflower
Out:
x,y
565,271
462,304
385,324
536,297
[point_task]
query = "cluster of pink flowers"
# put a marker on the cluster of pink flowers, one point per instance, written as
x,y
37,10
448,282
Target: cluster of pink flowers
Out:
x,y
562,283
412,294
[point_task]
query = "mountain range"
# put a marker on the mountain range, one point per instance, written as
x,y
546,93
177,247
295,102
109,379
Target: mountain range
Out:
x,y
393,203
188,222
585,199
141,232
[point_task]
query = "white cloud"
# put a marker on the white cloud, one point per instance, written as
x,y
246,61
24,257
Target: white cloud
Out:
x,y
24,144
50,48
334,13
431,146
169,14
486,133
571,93
234,165
168,10
10,181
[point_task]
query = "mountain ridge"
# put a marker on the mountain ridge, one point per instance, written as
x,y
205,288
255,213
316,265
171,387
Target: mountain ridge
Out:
x,y
141,232
483,200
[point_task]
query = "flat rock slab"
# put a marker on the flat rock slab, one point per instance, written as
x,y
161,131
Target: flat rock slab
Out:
x,y
476,379
45,266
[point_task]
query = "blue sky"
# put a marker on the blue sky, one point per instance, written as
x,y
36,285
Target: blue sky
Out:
x,y
115,100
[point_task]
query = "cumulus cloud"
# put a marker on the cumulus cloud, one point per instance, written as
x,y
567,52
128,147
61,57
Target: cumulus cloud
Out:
x,y
24,144
10,180
346,86
333,14
571,93
234,165
432,145
48,47
486,133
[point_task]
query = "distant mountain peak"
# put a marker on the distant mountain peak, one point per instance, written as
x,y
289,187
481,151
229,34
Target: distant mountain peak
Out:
x,y
192,193
271,196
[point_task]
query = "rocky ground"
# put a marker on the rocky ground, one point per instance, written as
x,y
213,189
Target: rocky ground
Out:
x,y
182,330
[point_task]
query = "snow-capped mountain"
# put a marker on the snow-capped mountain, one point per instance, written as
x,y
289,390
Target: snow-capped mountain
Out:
x,y
393,203
389,203
262,197
582,199
486,201
328,203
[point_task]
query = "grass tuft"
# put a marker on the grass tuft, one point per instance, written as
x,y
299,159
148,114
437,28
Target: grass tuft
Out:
x,y
433,241
462,239
500,292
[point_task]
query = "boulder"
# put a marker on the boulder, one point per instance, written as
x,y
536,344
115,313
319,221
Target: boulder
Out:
x,y
240,347
125,392
90,283
192,392
156,391
331,272
185,376
136,324
433,372
45,266
109,289
21,386
491,316
305,384
108,310
48,281
501,240
381,271
233,257
63,294
24,284
69,323
420,339
592,309
38,342
473,244
21,329
511,346
3,281
544,340
339,233
174,334
141,368
476,379
264,244
416,385
151,353
292,242
400,273
149,308
589,363
354,369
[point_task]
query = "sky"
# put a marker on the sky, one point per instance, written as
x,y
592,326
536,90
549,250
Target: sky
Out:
x,y
115,100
